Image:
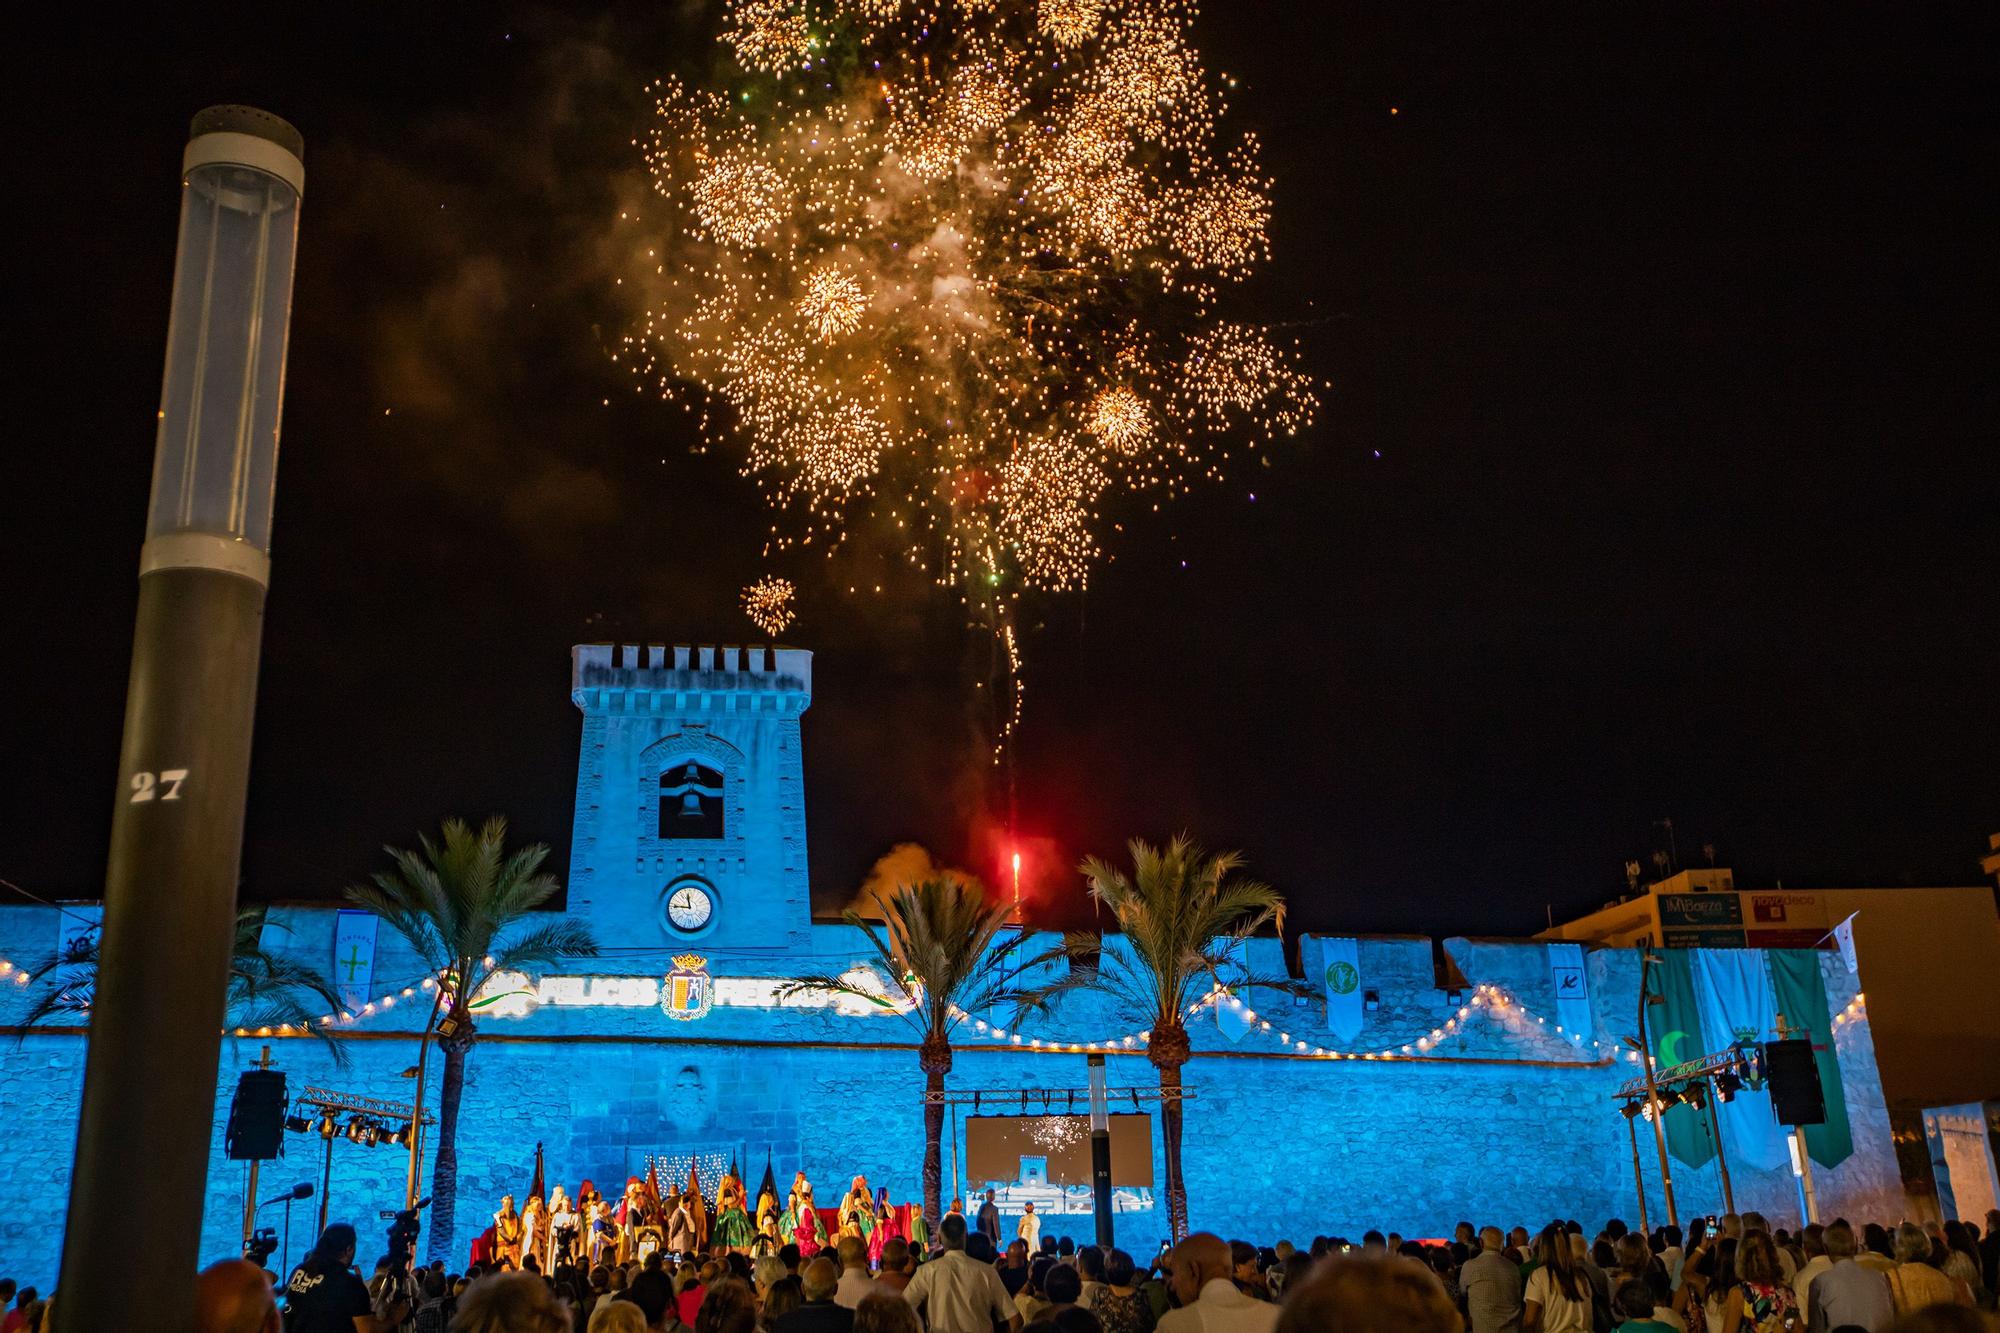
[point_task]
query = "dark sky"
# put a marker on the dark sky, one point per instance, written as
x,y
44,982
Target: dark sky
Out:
x,y
1656,478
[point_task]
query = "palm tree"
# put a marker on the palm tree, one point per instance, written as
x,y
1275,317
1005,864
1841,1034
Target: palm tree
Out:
x,y
454,901
1182,913
943,960
267,991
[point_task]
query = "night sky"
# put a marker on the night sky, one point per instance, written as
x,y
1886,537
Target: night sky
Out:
x,y
1655,479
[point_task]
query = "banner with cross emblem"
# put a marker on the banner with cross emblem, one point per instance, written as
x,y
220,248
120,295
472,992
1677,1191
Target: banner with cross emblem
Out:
x,y
354,956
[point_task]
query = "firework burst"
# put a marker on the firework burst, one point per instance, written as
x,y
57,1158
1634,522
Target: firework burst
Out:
x,y
956,268
768,603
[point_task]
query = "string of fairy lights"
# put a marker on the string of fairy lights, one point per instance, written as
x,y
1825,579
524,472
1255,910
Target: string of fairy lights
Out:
x,y
1489,1001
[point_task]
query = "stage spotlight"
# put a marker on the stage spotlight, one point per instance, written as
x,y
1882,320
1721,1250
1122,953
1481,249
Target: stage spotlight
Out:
x,y
327,1128
1630,1109
356,1128
1669,1099
298,1124
1727,1085
1695,1095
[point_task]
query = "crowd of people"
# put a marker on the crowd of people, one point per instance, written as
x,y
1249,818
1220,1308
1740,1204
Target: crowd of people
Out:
x,y
1737,1275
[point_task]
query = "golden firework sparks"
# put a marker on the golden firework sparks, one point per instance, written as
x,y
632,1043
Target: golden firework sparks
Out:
x,y
768,603
832,303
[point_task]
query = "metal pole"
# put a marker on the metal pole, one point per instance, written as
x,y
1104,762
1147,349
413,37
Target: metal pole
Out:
x,y
1646,961
1802,1167
1721,1153
1638,1174
326,1182
1100,1151
148,1105
250,1191
416,1171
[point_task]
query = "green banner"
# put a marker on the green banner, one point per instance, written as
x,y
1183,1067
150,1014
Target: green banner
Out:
x,y
1674,1028
1801,998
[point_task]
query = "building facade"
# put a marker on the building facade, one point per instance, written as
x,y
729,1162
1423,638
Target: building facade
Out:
x,y
1420,1084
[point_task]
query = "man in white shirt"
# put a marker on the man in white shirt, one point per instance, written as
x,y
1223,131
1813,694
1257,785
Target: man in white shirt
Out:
x,y
1030,1227
1813,1241
956,1292
1210,1302
855,1280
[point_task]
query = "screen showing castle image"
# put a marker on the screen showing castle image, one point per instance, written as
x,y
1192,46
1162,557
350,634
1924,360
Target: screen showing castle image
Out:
x,y
1045,1159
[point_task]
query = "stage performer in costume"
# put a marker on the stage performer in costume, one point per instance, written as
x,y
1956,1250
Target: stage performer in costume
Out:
x,y
631,1216
920,1230
562,1228
507,1231
886,1226
732,1223
802,1221
535,1234
857,1211
680,1224
599,1228
768,1239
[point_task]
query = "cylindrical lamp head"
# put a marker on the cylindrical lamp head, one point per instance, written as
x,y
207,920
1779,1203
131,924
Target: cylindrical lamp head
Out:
x,y
215,464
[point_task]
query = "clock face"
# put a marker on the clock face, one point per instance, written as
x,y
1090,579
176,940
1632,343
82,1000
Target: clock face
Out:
x,y
689,908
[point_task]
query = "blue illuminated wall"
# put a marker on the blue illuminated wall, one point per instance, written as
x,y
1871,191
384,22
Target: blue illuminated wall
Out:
x,y
1502,1120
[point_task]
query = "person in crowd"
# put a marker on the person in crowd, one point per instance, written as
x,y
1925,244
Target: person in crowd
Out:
x,y
1761,1301
1062,1287
1878,1248
1014,1266
1209,1300
1916,1282
1633,1260
1848,1293
989,1219
616,1317
1491,1285
653,1292
1347,1294
325,1295
1961,1262
1756,1222
1119,1305
1634,1307
768,1269
1591,1265
511,1303
1090,1267
895,1273
817,1312
1244,1270
786,1295
855,1280
885,1312
729,1307
1814,1261
1032,1301
234,1296
1557,1298
957,1292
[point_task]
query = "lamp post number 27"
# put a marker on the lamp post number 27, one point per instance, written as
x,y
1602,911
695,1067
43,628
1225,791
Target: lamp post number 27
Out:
x,y
164,785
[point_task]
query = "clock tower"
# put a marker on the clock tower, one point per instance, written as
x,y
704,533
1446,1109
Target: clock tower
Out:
x,y
690,824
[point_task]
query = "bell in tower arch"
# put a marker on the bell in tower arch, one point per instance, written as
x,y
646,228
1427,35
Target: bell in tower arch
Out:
x,y
690,812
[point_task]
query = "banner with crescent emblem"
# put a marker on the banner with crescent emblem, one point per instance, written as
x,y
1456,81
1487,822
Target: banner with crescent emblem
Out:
x,y
1340,973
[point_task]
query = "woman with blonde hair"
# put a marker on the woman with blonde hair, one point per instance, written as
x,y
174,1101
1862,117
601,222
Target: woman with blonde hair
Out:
x,y
1762,1300
510,1303
617,1317
1913,1282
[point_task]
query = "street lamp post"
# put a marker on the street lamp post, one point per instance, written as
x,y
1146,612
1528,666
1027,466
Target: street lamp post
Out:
x,y
177,823
1100,1151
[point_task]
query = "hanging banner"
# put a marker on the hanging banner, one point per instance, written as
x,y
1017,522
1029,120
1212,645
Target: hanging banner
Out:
x,y
1675,1030
1572,988
1843,935
1340,968
1801,998
354,956
1737,1005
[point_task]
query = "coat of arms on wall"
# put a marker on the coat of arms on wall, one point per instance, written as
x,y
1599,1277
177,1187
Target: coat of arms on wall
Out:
x,y
689,990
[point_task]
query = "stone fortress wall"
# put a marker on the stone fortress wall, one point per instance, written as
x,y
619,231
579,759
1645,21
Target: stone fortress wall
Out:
x,y
1497,1117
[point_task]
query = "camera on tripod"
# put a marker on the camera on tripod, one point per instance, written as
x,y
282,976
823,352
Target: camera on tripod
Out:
x,y
258,1249
403,1231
